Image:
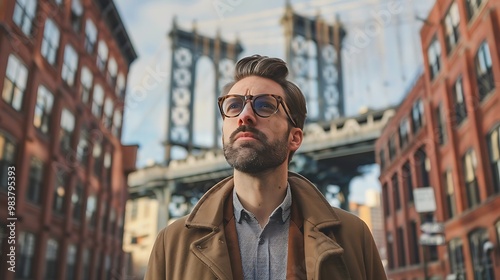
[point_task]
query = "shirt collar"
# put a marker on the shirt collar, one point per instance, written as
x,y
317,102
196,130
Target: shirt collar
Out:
x,y
280,214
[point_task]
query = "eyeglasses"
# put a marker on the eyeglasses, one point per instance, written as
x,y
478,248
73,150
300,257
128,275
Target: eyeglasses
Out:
x,y
263,105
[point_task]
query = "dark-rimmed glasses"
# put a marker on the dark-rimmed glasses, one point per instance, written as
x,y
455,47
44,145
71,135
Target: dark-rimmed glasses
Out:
x,y
263,105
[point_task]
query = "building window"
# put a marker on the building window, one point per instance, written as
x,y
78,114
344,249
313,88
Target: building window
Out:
x,y
102,55
71,262
451,22
390,250
14,83
69,66
91,211
481,260
86,264
76,15
107,267
77,202
112,221
395,191
472,7
407,179
484,72
61,183
117,123
392,148
494,151
26,245
107,162
7,159
413,239
43,109
381,158
471,186
120,86
108,113
97,101
434,57
441,125
90,36
50,43
98,159
417,113
67,128
112,72
24,14
83,149
401,247
423,166
497,227
134,212
35,181
460,107
451,203
86,80
456,257
104,216
385,193
51,263
404,129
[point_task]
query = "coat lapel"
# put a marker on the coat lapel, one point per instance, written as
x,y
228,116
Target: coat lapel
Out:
x,y
323,255
212,251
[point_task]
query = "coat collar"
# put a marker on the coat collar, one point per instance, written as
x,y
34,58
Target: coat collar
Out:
x,y
318,220
208,212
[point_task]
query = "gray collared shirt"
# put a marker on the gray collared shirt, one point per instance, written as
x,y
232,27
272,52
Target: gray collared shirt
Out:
x,y
263,251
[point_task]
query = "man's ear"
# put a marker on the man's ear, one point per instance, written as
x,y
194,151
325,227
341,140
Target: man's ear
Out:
x,y
296,137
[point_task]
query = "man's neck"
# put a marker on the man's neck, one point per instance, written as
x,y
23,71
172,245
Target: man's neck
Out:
x,y
261,193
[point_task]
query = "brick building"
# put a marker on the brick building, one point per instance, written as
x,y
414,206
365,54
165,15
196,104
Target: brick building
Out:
x,y
63,69
446,135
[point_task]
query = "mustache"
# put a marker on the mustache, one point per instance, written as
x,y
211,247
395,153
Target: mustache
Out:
x,y
245,128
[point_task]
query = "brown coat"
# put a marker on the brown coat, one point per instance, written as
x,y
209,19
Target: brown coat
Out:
x,y
336,244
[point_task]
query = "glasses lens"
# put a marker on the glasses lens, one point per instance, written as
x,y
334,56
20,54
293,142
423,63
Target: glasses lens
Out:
x,y
232,105
265,105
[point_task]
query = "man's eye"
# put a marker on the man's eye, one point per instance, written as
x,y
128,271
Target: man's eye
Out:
x,y
233,105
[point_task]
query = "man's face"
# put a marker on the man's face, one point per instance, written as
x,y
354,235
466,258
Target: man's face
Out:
x,y
253,144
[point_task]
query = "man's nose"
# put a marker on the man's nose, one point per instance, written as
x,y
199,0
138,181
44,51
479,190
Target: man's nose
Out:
x,y
247,115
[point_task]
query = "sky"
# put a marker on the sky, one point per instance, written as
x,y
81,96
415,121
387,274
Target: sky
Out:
x,y
382,56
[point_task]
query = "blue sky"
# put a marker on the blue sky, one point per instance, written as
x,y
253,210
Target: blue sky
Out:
x,y
382,58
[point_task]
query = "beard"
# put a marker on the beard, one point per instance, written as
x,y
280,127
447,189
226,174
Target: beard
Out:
x,y
255,157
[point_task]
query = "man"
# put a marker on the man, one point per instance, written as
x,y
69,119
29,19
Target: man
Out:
x,y
264,222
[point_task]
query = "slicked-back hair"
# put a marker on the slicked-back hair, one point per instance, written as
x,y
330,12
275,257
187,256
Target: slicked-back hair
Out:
x,y
274,69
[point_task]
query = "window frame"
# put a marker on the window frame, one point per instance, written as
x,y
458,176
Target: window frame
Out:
x,y
24,16
493,140
50,42
70,65
17,84
451,27
43,110
35,181
434,57
484,71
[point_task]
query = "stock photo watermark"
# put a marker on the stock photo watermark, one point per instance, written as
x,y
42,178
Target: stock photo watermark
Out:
x,y
151,81
11,218
222,7
363,37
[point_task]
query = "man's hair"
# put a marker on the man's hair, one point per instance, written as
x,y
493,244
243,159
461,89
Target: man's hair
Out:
x,y
274,69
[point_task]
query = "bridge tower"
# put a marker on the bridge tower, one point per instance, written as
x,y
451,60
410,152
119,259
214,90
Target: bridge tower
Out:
x,y
313,50
187,49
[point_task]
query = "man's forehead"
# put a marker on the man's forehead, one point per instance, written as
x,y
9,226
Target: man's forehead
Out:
x,y
254,85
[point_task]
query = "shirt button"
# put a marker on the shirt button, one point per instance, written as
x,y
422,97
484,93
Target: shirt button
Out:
x,y
261,241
